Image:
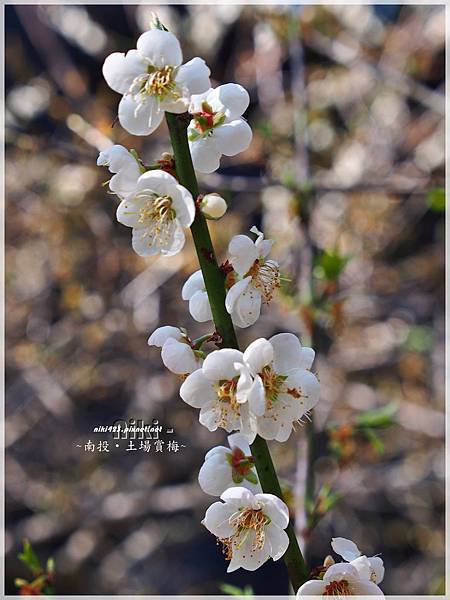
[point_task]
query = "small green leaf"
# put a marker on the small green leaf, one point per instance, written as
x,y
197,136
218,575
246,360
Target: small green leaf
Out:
x,y
378,417
219,119
156,23
193,135
436,199
50,565
420,339
329,265
233,590
28,557
332,499
207,107
252,477
375,441
237,477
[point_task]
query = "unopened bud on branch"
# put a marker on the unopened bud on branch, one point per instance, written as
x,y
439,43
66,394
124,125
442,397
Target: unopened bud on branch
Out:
x,y
213,206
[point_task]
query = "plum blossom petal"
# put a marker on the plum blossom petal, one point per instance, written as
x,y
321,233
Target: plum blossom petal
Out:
x,y
288,351
197,390
194,291
233,97
194,75
183,205
139,117
204,158
345,548
124,166
274,508
258,354
235,292
232,138
242,253
278,540
247,306
160,336
120,70
377,566
199,307
311,588
179,357
176,352
160,48
217,518
146,243
220,364
307,358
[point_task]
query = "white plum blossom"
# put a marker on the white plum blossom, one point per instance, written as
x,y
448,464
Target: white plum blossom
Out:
x,y
276,382
213,206
213,389
194,291
152,79
125,167
158,209
229,467
250,527
217,126
177,352
257,277
341,580
371,568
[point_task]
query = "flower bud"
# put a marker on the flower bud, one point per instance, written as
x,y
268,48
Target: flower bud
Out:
x,y
328,562
213,206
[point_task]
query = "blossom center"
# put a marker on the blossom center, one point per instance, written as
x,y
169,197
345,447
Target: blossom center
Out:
x,y
157,208
265,277
337,588
273,384
245,522
240,463
205,121
226,393
156,82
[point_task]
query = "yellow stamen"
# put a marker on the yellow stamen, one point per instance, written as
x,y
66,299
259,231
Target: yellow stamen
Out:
x,y
244,522
265,277
226,393
158,82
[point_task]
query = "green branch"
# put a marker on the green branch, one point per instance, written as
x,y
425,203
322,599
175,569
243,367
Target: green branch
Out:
x,y
214,283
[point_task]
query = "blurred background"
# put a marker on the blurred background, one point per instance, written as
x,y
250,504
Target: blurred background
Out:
x,y
345,172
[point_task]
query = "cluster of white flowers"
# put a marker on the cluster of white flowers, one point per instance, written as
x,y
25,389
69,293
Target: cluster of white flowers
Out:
x,y
269,387
359,576
264,390
152,81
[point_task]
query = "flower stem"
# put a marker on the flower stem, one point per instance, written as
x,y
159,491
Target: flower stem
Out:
x,y
215,287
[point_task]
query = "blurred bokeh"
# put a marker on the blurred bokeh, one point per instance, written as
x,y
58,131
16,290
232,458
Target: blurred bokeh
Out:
x,y
347,109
